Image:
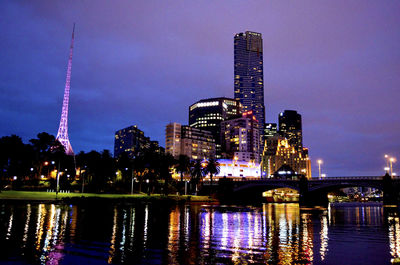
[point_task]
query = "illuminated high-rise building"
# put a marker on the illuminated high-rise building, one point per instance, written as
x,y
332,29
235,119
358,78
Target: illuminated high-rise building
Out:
x,y
270,129
248,74
130,140
189,141
241,139
207,114
290,128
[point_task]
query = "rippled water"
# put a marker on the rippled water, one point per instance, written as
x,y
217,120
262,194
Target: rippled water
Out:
x,y
157,233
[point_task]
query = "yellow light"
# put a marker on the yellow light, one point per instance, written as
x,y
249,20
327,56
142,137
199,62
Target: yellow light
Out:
x,y
319,161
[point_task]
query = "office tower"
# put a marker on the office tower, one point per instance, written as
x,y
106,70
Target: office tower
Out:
x,y
290,128
278,152
270,129
241,139
249,76
207,114
186,140
173,139
62,134
130,140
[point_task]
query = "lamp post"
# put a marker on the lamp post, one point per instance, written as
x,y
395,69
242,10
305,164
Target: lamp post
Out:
x,y
319,161
391,160
132,183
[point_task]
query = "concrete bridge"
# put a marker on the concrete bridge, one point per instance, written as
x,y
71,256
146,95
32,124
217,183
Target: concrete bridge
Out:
x,y
312,191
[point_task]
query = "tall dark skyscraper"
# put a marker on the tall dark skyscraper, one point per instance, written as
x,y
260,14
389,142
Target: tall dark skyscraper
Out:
x,y
290,128
130,140
249,75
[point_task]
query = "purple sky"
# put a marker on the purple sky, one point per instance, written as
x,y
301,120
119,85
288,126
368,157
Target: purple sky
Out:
x,y
144,62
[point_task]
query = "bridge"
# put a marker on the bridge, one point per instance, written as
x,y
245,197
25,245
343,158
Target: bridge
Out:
x,y
312,191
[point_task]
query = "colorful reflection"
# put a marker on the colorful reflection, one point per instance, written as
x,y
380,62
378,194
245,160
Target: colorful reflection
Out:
x,y
191,234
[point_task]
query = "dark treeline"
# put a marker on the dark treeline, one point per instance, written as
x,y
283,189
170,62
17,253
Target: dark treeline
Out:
x,y
35,166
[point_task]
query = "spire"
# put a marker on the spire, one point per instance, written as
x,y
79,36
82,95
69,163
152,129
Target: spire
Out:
x,y
62,134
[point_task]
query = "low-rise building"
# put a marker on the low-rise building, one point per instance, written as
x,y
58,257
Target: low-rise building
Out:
x,y
278,152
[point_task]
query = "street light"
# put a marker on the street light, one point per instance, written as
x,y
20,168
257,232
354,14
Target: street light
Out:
x,y
392,160
319,161
132,183
387,160
323,176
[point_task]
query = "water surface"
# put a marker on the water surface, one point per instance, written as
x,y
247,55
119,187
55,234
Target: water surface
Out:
x,y
155,233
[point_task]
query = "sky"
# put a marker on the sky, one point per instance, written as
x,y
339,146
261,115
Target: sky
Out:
x,y
144,62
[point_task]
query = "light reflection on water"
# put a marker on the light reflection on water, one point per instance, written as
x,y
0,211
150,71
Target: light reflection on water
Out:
x,y
196,234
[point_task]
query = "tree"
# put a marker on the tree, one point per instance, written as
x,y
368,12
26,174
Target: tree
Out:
x,y
197,172
183,165
45,147
125,165
167,161
15,158
213,169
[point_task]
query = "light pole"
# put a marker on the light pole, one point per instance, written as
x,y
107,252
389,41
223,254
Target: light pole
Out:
x,y
83,179
392,160
132,183
58,179
319,161
387,158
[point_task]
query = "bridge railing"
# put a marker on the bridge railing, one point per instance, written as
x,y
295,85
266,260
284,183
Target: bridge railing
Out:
x,y
240,179
350,178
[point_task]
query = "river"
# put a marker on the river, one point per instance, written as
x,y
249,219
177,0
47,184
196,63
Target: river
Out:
x,y
159,233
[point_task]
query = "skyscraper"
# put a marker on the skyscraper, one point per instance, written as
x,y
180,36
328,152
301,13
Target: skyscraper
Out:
x,y
207,114
249,76
190,141
130,140
241,139
290,128
62,134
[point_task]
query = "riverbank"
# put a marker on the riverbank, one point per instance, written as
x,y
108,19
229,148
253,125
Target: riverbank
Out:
x,y
39,196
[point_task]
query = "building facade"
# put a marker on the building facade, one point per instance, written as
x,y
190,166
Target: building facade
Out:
x,y
231,168
241,139
290,128
186,140
249,75
130,140
278,152
207,114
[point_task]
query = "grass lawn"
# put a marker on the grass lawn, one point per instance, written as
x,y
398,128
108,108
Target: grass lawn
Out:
x,y
41,196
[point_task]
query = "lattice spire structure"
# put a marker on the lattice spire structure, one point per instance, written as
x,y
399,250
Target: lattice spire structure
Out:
x,y
62,135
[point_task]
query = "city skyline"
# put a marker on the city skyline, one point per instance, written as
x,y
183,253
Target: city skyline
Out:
x,y
340,75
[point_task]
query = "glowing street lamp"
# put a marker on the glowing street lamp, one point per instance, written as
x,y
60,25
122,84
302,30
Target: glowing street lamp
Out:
x,y
386,169
319,161
392,160
323,176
